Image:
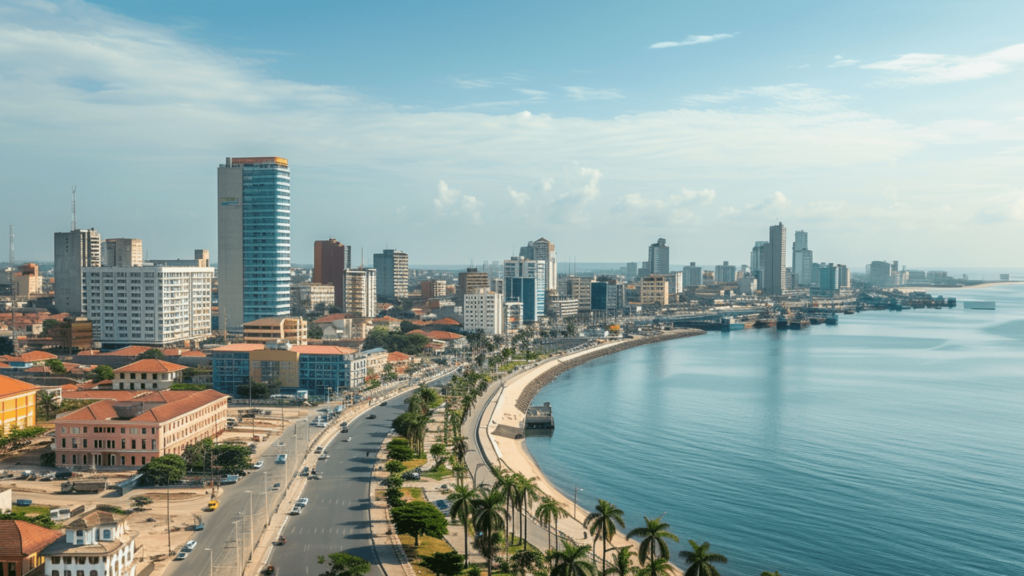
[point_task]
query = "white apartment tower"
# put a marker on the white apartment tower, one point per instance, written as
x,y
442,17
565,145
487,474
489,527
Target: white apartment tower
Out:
x,y
725,273
803,260
72,252
359,292
485,311
392,268
543,249
693,275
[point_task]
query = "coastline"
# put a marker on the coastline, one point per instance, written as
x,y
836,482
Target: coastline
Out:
x,y
940,289
509,409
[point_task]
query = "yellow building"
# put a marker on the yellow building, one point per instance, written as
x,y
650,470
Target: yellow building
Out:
x,y
654,290
17,404
285,328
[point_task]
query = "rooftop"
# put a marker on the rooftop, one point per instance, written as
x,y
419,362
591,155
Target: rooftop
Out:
x,y
333,350
169,404
33,356
239,348
10,386
20,538
330,318
151,365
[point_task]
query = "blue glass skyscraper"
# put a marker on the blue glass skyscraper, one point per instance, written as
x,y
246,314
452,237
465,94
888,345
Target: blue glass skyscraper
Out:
x,y
254,240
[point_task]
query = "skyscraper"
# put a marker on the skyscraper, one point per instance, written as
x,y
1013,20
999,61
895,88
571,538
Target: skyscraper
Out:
x,y
359,292
122,252
330,260
657,257
73,251
803,259
774,262
543,249
525,281
471,280
392,269
725,273
253,240
756,265
693,275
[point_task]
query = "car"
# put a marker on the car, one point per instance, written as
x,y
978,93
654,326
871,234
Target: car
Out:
x,y
371,417
296,511
319,449
321,424
302,502
384,403
324,456
189,546
258,464
411,475
277,486
181,556
349,439
199,527
213,505
442,505
305,471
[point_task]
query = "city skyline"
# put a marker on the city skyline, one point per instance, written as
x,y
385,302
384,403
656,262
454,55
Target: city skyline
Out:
x,y
901,142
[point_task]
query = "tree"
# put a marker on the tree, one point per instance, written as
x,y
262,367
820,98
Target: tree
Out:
x,y
549,512
401,452
420,518
489,522
39,520
151,354
55,366
47,326
439,452
47,401
315,331
601,523
461,499
18,438
443,563
571,560
231,458
524,561
767,573
183,386
101,372
653,534
6,346
394,466
622,563
701,561
527,492
167,468
390,374
258,390
659,567
141,502
342,564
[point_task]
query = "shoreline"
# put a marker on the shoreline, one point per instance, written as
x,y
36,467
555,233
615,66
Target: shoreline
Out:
x,y
512,452
938,289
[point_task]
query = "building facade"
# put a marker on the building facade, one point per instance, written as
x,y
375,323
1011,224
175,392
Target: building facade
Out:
x,y
148,374
122,252
657,257
392,269
253,240
279,328
307,296
359,292
543,249
693,275
725,273
803,260
484,310
22,544
330,260
607,296
72,252
654,290
472,280
526,282
98,543
158,306
774,277
319,370
17,404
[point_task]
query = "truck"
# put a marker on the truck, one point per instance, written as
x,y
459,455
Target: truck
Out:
x,y
229,479
84,486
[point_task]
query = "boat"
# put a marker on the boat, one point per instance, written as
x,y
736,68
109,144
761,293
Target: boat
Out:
x,y
765,323
848,312
831,320
817,320
782,323
979,305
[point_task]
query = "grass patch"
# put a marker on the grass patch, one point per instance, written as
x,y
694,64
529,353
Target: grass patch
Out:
x,y
414,495
414,463
32,510
439,474
519,544
428,546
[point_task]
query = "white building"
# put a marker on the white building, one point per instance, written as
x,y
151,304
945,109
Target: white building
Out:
x,y
484,310
692,275
159,306
675,282
97,543
725,273
148,374
359,292
72,252
747,285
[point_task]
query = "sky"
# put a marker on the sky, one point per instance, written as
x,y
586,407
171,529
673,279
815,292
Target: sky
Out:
x,y
457,131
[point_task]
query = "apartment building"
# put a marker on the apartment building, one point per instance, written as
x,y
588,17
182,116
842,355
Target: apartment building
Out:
x,y
359,292
483,310
319,370
17,404
288,329
654,290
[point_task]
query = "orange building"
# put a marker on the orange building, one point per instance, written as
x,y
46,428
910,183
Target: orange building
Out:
x,y
21,544
17,404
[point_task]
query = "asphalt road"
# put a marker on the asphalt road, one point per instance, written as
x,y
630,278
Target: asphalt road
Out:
x,y
337,518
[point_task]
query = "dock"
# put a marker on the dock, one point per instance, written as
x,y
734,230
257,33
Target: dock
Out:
x,y
539,418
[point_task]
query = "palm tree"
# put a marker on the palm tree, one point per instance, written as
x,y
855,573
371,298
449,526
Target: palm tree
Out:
x,y
602,523
462,510
505,484
653,534
622,563
47,401
459,469
572,561
488,521
701,561
460,447
524,561
660,567
549,511
527,493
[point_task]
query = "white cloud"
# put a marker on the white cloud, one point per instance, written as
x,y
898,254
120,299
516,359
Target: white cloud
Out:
x,y
452,202
473,84
941,68
691,40
840,62
582,93
533,94
520,198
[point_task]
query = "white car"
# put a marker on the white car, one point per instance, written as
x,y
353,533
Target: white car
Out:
x,y
189,546
302,502
258,464
296,511
181,556
349,439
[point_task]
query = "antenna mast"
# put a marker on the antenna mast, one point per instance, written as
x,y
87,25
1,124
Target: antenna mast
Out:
x,y
14,294
74,211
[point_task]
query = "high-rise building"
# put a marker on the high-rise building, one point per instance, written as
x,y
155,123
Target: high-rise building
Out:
x,y
844,276
675,282
725,273
433,289
607,295
880,273
631,270
392,269
756,265
543,249
359,292
471,280
73,251
692,275
157,306
579,288
483,310
122,252
330,260
253,240
526,282
657,257
774,262
803,260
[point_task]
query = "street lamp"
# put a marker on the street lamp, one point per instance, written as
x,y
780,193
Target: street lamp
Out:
x,y
210,550
251,549
575,493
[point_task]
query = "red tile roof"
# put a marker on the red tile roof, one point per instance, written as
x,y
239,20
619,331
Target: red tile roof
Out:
x,y
127,351
119,395
33,356
330,318
2,365
20,538
334,350
446,322
417,331
439,335
10,386
398,357
172,403
239,348
151,365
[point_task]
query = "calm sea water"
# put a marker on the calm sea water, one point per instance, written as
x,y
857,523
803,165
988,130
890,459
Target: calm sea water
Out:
x,y
892,443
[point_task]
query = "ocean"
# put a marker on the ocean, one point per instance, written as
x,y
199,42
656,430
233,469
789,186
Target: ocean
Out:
x,y
890,443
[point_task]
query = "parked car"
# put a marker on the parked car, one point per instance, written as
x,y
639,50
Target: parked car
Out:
x,y
213,505
181,556
302,502
296,511
349,439
277,486
190,546
324,456
258,464
305,471
411,475
199,527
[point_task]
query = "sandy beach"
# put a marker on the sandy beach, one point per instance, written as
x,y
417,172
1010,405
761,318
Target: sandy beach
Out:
x,y
940,289
513,453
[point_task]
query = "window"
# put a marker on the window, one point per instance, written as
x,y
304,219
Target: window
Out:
x,y
106,534
94,559
123,442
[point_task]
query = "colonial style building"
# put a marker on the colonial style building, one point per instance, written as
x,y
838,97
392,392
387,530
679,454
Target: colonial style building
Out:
x,y
97,543
148,374
17,404
21,544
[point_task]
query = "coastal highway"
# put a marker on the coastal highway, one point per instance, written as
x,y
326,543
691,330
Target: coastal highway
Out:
x,y
337,518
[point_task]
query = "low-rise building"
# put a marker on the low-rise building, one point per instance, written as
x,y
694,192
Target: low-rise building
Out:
x,y
22,544
99,543
561,307
128,434
308,295
73,334
17,404
317,370
148,374
284,328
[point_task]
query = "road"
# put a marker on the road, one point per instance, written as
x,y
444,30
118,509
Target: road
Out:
x,y
337,518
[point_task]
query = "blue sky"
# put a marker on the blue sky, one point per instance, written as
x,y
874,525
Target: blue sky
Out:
x,y
887,130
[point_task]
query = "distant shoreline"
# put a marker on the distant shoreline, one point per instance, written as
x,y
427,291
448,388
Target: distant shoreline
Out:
x,y
937,289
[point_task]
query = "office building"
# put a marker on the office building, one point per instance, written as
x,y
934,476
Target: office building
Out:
x,y
880,273
555,307
253,240
844,276
159,306
526,282
307,297
359,292
544,250
122,252
317,370
330,260
472,280
72,252
578,288
654,290
392,269
693,275
675,282
276,329
433,289
631,270
498,285
129,434
607,296
756,266
483,310
725,273
201,260
803,260
774,276
27,281
657,257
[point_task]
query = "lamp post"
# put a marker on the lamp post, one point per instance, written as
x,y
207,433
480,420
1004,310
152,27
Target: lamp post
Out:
x,y
575,493
251,530
238,548
266,502
210,550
